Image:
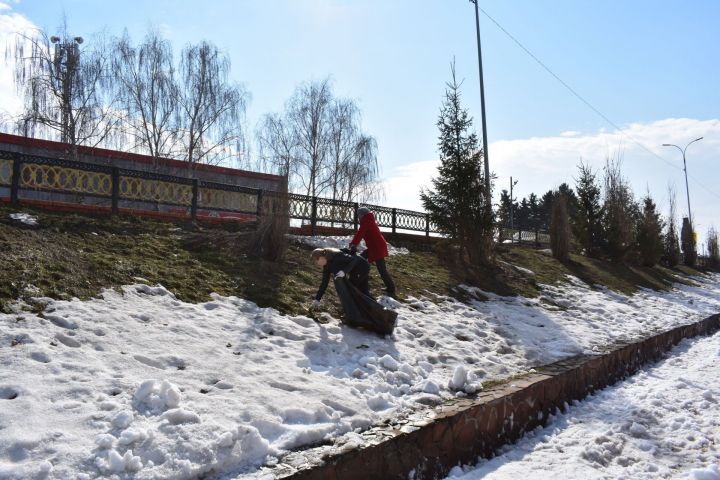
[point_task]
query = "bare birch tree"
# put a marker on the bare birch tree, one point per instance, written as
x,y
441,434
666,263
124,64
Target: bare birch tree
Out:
x,y
318,142
148,93
212,108
309,118
65,86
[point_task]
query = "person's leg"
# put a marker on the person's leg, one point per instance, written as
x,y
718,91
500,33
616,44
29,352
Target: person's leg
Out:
x,y
359,277
385,275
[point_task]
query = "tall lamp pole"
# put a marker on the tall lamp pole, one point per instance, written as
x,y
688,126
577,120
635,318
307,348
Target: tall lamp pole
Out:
x,y
482,107
687,189
66,60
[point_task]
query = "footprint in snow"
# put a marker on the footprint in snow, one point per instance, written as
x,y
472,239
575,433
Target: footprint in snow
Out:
x,y
67,341
41,357
149,362
8,393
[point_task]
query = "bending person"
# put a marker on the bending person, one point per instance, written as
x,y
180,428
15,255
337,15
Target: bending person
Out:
x,y
377,248
339,264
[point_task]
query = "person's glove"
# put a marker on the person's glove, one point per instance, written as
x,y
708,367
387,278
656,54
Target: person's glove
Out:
x,y
340,274
315,304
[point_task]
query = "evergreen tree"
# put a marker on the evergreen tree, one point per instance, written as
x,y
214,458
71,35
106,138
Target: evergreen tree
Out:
x,y
687,237
503,213
587,225
672,242
620,213
457,204
649,234
546,208
535,212
713,248
522,215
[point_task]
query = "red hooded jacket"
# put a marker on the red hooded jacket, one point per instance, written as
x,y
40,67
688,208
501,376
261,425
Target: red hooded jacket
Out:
x,y
374,240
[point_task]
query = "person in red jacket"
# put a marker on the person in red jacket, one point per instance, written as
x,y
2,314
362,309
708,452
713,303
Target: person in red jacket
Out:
x,y
376,245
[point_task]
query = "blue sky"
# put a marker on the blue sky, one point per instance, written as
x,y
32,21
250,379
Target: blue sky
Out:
x,y
652,67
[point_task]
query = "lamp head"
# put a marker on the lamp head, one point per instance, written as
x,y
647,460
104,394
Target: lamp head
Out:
x,y
54,39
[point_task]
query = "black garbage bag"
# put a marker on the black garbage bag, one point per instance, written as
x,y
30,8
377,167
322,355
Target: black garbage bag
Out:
x,y
363,311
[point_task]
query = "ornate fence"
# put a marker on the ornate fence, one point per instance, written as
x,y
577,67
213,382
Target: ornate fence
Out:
x,y
79,185
57,182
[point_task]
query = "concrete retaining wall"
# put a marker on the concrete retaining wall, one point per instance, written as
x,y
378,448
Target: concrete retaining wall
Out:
x,y
428,444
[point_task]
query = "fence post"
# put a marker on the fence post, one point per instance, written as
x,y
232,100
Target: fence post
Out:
x,y
194,202
427,224
115,190
259,203
519,234
394,219
313,217
355,219
14,200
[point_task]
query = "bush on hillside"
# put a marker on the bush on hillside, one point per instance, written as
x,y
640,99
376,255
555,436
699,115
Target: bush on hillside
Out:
x,y
560,229
269,240
689,250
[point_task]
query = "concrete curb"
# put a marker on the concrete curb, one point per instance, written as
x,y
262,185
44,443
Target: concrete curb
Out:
x,y
428,444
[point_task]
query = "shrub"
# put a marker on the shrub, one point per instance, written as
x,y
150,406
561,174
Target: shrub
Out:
x,y
560,229
687,236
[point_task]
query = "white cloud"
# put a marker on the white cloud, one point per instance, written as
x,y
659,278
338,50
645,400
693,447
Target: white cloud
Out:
x,y
10,25
542,163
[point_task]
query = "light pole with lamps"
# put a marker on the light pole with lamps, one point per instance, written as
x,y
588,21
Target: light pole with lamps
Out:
x,y
482,108
66,60
687,189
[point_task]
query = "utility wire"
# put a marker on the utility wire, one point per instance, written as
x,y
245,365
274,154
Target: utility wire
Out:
x,y
587,103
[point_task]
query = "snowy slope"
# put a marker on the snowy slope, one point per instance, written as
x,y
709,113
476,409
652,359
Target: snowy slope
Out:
x,y
661,423
141,385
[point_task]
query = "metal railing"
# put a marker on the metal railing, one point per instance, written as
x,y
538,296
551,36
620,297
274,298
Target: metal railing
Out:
x,y
30,178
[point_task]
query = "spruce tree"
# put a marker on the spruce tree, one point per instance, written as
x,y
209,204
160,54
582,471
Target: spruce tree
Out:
x,y
687,238
620,213
587,224
713,248
672,241
457,204
649,234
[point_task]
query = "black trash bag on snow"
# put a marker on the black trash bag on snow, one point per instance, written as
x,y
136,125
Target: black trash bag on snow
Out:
x,y
363,311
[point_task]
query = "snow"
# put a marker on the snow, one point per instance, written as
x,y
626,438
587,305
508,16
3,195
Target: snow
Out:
x,y
136,382
340,242
645,427
26,218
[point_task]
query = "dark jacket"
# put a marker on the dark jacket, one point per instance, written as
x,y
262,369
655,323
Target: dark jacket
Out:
x,y
340,261
370,232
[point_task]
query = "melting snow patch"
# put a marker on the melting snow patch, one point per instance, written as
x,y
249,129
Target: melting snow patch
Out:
x,y
25,218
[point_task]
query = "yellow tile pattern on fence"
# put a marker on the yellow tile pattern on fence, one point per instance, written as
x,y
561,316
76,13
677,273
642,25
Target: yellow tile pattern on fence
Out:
x,y
54,177
227,200
6,171
133,188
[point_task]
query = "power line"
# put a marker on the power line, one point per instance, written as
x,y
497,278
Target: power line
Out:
x,y
583,100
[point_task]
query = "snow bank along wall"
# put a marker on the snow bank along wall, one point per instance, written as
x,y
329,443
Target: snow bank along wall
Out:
x,y
46,174
428,444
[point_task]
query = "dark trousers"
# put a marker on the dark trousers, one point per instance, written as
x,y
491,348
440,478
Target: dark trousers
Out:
x,y
384,274
359,276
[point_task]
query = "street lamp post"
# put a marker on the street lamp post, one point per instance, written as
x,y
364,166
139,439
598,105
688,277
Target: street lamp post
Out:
x,y
67,58
482,107
687,189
